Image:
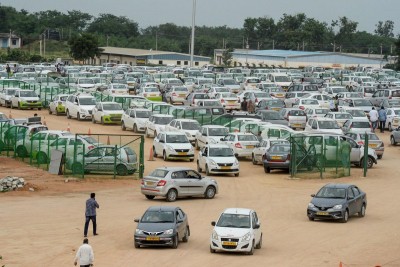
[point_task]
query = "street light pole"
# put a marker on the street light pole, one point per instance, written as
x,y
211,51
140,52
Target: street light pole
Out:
x,y
193,25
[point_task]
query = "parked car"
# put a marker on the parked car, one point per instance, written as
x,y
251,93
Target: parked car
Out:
x,y
173,145
324,125
277,157
175,182
228,100
272,116
162,226
296,117
357,126
5,96
259,151
151,93
135,119
340,117
57,105
236,230
270,104
292,97
373,142
316,112
241,143
337,202
107,113
80,106
25,99
217,159
177,94
156,124
304,103
395,136
210,134
186,126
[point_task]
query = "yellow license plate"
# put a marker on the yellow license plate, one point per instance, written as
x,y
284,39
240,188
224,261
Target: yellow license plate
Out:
x,y
231,101
279,95
249,146
226,243
276,157
225,167
275,108
296,125
373,145
322,213
152,238
182,153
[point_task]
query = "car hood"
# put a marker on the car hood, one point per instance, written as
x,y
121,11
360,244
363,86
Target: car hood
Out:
x,y
327,202
87,107
155,227
86,85
231,232
113,112
223,159
279,122
29,98
180,145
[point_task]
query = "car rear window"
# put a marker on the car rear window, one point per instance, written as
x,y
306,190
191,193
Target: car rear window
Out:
x,y
159,173
247,138
372,137
297,113
361,124
396,93
322,111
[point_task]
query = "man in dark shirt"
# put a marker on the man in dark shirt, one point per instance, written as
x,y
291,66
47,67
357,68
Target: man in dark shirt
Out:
x,y
90,213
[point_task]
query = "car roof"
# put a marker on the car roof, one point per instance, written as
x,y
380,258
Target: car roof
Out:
x,y
214,126
242,211
338,185
174,133
162,208
174,168
218,146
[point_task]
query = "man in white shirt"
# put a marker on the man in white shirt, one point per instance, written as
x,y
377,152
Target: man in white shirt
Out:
x,y
373,117
84,255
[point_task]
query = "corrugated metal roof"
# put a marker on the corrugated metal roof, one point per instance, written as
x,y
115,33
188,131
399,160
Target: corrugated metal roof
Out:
x,y
278,53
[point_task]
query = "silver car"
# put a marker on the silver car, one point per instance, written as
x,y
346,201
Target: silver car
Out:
x,y
174,182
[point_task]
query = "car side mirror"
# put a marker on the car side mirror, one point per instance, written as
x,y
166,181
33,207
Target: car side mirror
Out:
x,y
179,220
257,226
161,141
222,139
213,223
136,220
312,195
236,155
100,109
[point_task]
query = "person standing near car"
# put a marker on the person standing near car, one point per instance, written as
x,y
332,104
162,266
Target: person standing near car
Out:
x,y
8,70
382,119
373,117
244,104
90,214
345,149
84,255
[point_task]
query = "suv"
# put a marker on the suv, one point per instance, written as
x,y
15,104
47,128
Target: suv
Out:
x,y
135,119
80,106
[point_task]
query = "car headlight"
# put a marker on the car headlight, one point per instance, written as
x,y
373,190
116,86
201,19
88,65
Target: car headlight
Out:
x,y
311,205
82,110
214,235
212,141
337,207
212,162
170,148
246,237
139,232
169,232
188,134
236,162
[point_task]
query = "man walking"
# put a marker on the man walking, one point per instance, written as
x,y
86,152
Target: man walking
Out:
x,y
84,255
8,70
373,117
90,213
382,119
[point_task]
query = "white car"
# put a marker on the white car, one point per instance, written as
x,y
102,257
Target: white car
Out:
x,y
173,145
80,106
135,119
216,90
304,103
86,85
241,143
208,103
250,83
151,93
323,100
107,113
25,99
237,230
391,115
316,112
324,125
156,124
257,156
340,117
57,105
296,117
357,126
186,126
216,159
177,94
229,101
210,134
117,89
5,96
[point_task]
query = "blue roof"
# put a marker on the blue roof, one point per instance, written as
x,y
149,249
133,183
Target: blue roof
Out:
x,y
279,53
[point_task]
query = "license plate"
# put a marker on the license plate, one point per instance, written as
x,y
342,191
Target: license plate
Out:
x,y
150,183
373,145
322,213
276,157
153,95
226,243
279,95
152,238
182,95
225,167
249,146
231,101
182,153
296,125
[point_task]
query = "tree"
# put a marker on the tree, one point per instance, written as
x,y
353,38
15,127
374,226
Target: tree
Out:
x,y
346,29
227,57
108,24
385,29
84,46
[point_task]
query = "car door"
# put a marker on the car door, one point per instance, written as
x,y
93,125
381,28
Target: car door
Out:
x,y
159,142
93,159
181,183
357,197
181,222
111,155
196,185
256,230
346,126
202,140
351,201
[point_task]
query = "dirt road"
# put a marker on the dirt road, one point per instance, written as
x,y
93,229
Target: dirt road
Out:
x,y
45,227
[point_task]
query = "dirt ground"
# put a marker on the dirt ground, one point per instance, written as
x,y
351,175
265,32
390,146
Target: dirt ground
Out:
x,y
45,227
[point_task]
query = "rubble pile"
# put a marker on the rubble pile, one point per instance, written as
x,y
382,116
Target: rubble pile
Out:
x,y
10,183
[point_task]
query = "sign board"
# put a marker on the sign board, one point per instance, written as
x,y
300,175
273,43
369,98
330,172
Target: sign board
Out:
x,y
140,61
56,162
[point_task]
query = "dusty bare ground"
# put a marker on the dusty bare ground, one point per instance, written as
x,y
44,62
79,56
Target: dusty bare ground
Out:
x,y
45,227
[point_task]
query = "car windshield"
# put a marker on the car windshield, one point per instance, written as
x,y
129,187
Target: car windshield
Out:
x,y
201,96
143,114
87,101
221,152
158,217
63,98
371,137
217,131
247,137
339,90
10,91
397,112
356,113
27,93
279,142
282,79
330,192
272,116
234,221
274,103
360,124
190,125
297,113
90,139
112,106
179,138
85,81
228,95
229,82
159,173
162,120
261,95
362,102
322,111
151,89
181,89
343,116
279,149
310,102
328,125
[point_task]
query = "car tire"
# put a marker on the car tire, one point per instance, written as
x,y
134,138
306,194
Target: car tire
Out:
x,y
147,133
57,113
267,169
251,252
390,126
68,115
135,130
21,152
136,245
210,192
78,116
19,106
185,238
236,174
175,242
345,217
370,163
198,167
149,196
42,158
207,170
259,245
121,170
311,218
393,141
380,156
165,158
253,159
361,213
191,160
123,127
172,195
212,250
154,152
50,111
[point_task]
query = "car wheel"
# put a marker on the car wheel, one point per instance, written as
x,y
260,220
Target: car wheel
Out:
x,y
57,113
345,217
389,126
185,238
267,169
207,170
135,128
210,192
165,158
19,105
50,111
253,159
122,170
236,174
259,245
21,152
77,168
154,152
136,245
212,250
370,162
175,242
311,218
251,252
41,158
191,160
149,196
379,156
393,141
78,116
172,195
198,167
68,115
362,211
123,127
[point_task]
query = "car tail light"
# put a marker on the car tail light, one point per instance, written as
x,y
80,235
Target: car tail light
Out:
x,y
238,145
161,183
90,147
174,94
360,142
193,102
301,107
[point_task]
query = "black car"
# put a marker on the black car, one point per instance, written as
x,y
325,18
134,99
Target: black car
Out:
x,y
337,202
162,226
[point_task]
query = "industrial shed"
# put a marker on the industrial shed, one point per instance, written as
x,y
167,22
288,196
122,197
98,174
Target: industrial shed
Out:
x,y
300,59
133,57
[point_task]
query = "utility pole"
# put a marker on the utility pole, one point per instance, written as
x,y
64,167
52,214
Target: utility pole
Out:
x,y
298,46
193,25
391,49
258,45
40,45
107,40
156,40
273,44
381,49
303,45
334,46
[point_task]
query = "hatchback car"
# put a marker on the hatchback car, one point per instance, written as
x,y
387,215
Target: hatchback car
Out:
x,y
373,142
162,226
277,157
337,202
340,117
296,117
174,182
241,143
177,94
237,230
258,154
107,113
173,145
216,159
357,126
395,136
57,105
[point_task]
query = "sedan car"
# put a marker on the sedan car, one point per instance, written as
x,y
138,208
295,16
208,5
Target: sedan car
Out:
x,y
228,100
277,157
216,159
162,226
237,230
173,145
373,142
338,202
357,126
258,154
174,182
395,136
